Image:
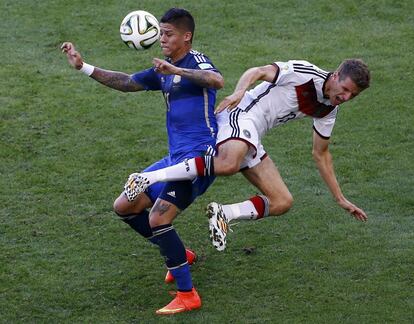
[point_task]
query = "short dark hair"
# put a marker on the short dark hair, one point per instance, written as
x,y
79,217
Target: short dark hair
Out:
x,y
181,18
357,70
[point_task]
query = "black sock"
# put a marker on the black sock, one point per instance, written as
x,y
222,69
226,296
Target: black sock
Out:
x,y
139,223
173,251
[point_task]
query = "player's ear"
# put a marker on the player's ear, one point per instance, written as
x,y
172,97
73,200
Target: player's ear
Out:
x,y
187,36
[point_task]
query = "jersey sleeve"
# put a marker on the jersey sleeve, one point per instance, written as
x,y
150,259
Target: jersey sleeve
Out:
x,y
148,78
202,62
324,126
286,73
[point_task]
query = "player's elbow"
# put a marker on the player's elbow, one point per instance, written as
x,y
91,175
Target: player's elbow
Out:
x,y
219,82
322,158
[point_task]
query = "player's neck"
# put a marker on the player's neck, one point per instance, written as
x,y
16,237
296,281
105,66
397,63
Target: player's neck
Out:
x,y
327,87
181,53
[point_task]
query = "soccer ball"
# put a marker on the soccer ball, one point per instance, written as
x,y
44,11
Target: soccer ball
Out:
x,y
139,30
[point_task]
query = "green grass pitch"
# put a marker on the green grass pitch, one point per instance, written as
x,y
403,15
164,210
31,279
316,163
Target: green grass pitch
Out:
x,y
68,144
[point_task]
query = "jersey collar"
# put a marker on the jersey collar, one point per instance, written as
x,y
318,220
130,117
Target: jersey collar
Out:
x,y
323,87
168,59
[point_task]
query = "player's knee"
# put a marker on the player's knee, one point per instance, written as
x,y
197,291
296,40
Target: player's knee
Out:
x,y
226,166
230,169
281,205
154,222
119,207
157,221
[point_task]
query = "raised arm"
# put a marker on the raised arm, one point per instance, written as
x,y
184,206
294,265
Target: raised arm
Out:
x,y
323,159
113,79
250,77
203,78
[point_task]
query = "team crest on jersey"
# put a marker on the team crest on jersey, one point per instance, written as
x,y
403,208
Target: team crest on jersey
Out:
x,y
246,133
177,79
204,66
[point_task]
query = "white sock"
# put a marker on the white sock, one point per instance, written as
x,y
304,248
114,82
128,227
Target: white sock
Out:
x,y
243,210
185,170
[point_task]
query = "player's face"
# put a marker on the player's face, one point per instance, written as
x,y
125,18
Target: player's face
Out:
x,y
174,42
342,90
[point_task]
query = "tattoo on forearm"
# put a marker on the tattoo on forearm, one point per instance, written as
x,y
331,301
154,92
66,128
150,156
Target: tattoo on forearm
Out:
x,y
202,78
115,80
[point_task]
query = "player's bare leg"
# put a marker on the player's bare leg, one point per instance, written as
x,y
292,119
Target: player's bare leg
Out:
x,y
122,206
276,200
162,213
230,156
227,162
266,177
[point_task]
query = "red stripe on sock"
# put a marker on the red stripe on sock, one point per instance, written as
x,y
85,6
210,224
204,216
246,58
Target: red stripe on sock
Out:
x,y
200,165
259,204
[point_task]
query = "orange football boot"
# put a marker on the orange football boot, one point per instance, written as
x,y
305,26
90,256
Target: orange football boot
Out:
x,y
184,301
191,258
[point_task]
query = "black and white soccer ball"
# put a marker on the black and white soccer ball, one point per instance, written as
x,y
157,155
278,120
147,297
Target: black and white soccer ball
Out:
x,y
139,30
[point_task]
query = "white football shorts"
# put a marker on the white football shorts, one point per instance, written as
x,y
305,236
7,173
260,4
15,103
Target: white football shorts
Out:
x,y
235,126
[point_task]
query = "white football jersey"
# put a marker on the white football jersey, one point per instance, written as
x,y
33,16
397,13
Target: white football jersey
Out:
x,y
296,92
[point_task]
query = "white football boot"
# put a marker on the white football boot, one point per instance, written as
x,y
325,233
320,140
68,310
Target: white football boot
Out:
x,y
135,184
218,225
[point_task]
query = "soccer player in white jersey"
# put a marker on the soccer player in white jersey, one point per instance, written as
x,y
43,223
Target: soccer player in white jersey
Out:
x,y
290,90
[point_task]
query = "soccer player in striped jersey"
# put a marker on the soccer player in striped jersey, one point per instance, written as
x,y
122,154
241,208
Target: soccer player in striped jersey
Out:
x,y
188,81
290,90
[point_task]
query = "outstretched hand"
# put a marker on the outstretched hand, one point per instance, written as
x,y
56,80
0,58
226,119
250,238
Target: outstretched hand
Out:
x,y
74,58
355,211
230,102
164,67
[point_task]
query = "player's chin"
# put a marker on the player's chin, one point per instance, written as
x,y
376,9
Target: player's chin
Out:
x,y
338,101
165,51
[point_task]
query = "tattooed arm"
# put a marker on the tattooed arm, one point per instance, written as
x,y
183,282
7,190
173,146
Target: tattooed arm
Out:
x,y
203,78
115,80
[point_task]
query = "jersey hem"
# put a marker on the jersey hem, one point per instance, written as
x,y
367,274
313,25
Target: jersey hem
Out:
x,y
261,159
237,139
277,73
320,135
